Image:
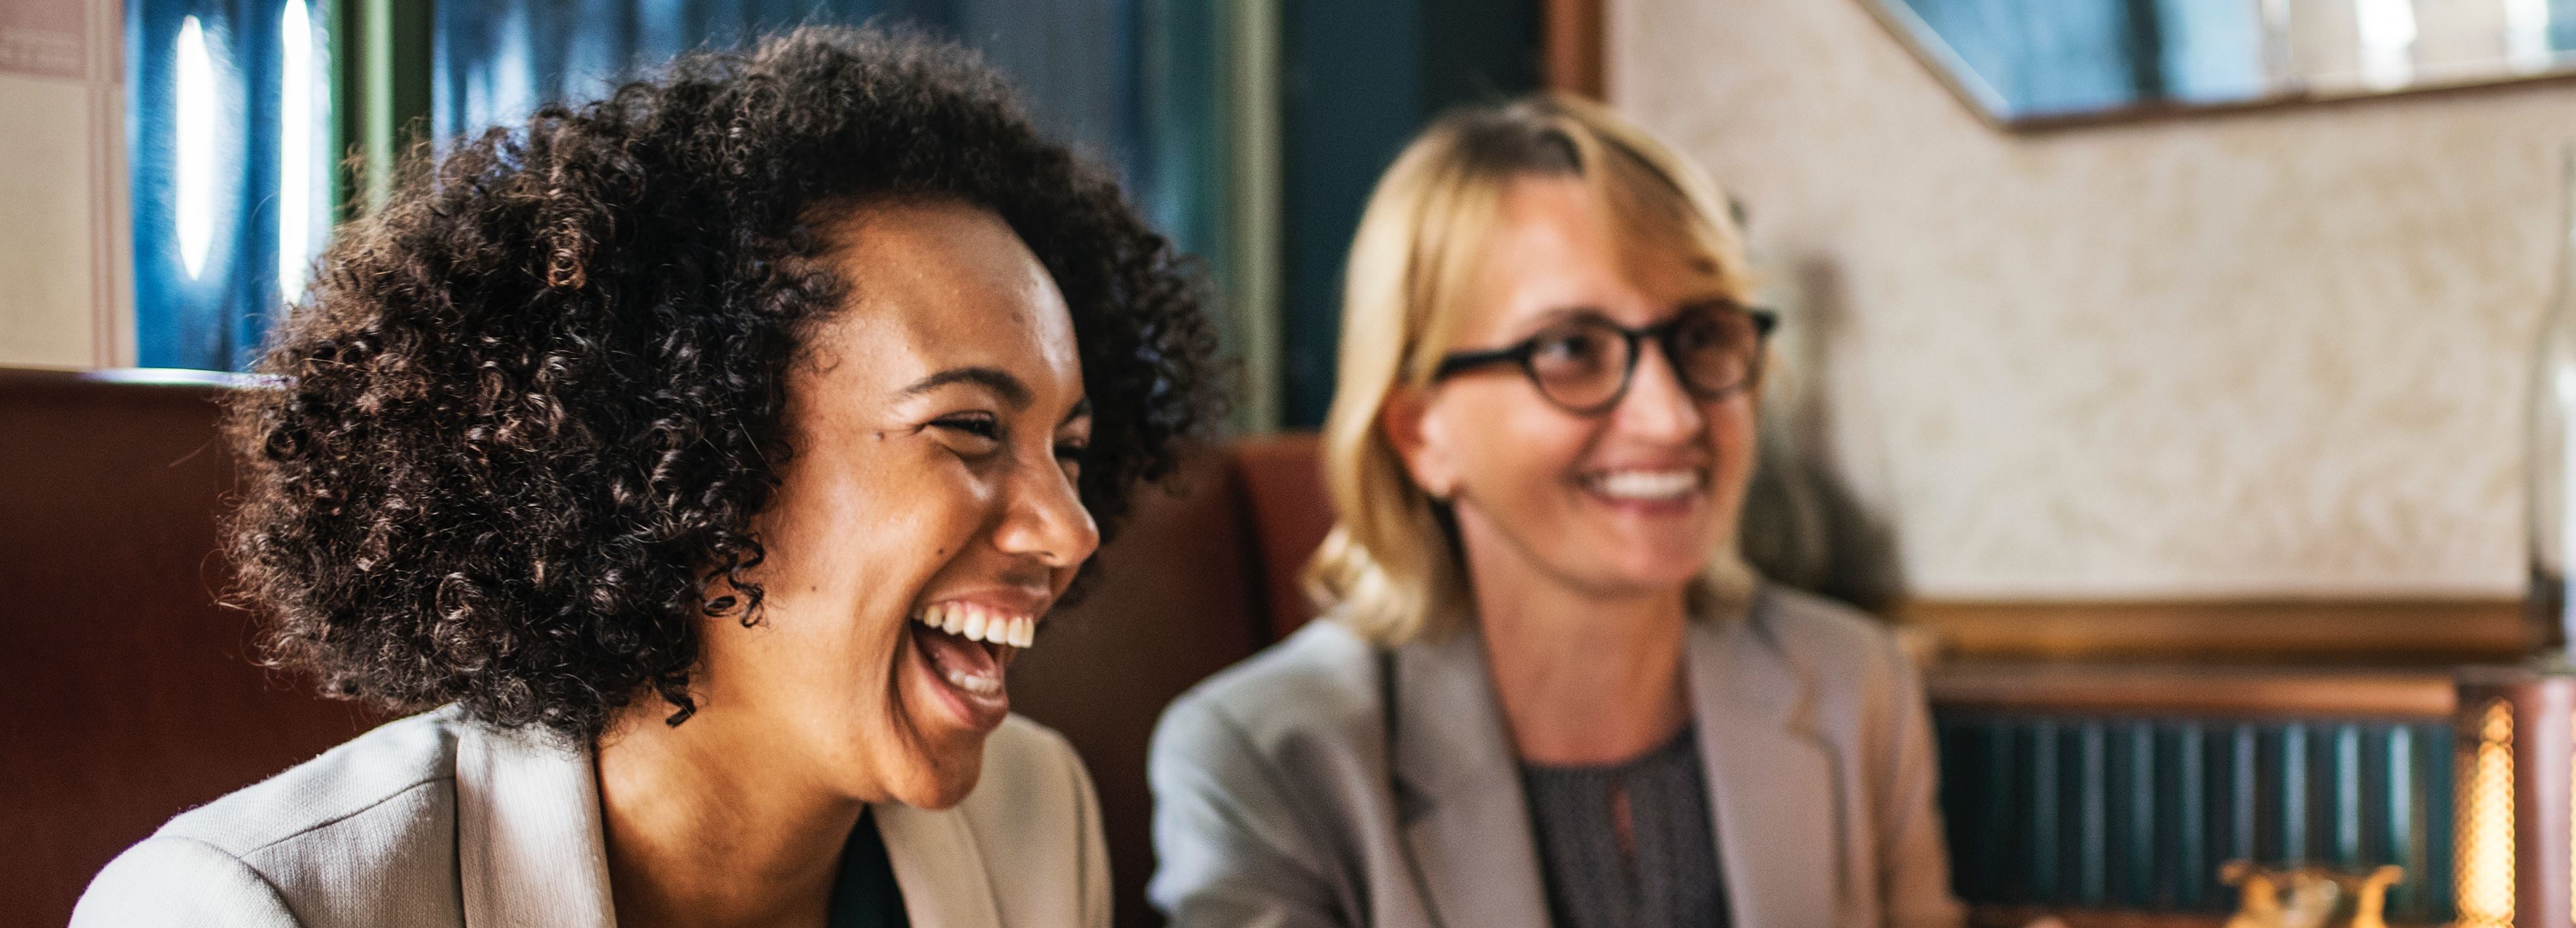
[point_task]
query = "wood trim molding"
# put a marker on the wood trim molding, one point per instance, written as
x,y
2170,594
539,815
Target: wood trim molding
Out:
x,y
1574,41
2196,691
2030,916
2416,632
111,219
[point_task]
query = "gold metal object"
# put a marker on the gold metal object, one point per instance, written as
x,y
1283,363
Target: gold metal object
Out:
x,y
2370,898
2259,897
2306,897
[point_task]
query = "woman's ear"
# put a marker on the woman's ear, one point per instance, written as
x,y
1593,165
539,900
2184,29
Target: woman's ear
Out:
x,y
1418,433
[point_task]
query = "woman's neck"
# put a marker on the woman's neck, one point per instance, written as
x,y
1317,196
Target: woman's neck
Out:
x,y
704,829
1584,679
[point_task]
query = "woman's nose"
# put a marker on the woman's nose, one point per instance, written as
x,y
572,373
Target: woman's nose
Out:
x,y
1047,520
1656,405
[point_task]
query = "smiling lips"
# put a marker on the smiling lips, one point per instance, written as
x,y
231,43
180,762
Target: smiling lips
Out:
x,y
968,646
1647,485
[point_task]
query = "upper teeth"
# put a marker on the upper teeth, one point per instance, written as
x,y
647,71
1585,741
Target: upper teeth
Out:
x,y
976,623
1647,484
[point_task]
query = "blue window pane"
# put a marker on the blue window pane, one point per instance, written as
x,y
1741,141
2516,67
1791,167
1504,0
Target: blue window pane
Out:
x,y
2038,58
206,299
207,219
495,61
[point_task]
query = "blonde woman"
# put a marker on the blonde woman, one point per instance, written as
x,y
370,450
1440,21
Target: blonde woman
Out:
x,y
1547,691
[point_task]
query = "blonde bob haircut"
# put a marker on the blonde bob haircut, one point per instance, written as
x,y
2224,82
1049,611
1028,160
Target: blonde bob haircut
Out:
x,y
1391,570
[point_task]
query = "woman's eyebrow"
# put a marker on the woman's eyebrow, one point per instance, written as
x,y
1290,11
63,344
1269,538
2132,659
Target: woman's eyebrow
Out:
x,y
1081,410
1013,392
1563,313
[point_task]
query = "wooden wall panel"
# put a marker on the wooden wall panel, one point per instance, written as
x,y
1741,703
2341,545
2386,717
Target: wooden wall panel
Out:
x,y
1574,48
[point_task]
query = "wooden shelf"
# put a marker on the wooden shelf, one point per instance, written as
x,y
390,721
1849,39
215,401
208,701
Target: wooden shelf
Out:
x,y
2149,689
2421,633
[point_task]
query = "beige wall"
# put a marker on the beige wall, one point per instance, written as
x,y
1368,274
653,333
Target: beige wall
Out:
x,y
44,243
64,292
2273,353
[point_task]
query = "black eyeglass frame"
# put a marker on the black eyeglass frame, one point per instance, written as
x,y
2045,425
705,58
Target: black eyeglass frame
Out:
x,y
1661,333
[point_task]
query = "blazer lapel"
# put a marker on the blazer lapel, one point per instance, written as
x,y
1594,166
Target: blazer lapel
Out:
x,y
1458,790
529,850
938,866
1770,784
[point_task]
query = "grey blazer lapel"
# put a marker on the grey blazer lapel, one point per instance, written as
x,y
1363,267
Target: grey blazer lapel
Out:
x,y
1458,790
529,850
1770,783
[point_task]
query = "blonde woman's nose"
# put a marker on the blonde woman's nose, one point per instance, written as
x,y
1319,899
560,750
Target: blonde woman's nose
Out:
x,y
1657,405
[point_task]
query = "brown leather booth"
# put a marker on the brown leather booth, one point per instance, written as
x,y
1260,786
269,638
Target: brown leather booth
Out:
x,y
130,695
1200,579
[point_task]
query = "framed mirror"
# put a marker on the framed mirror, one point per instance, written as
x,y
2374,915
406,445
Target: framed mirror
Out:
x,y
2028,64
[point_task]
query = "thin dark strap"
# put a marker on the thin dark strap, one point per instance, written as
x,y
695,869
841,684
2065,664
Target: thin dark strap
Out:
x,y
1386,703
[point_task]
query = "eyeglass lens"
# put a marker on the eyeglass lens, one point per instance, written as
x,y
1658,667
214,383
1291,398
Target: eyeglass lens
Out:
x,y
1584,363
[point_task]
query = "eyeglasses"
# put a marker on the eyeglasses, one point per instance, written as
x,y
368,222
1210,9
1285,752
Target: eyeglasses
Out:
x,y
1584,363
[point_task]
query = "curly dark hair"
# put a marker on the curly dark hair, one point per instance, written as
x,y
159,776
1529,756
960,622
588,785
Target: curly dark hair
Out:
x,y
524,419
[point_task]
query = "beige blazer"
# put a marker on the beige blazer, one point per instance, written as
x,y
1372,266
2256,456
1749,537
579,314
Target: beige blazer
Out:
x,y
1327,782
436,822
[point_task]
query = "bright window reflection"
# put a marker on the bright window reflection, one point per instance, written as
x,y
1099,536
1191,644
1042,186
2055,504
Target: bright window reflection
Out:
x,y
296,90
193,146
2526,35
2387,42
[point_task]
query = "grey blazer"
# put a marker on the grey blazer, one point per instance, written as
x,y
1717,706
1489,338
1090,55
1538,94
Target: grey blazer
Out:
x,y
1327,782
433,821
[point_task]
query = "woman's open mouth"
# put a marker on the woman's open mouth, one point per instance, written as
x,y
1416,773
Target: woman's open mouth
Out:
x,y
967,649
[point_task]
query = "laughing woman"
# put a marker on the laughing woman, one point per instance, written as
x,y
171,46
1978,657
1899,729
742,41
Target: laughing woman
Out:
x,y
704,455
1547,690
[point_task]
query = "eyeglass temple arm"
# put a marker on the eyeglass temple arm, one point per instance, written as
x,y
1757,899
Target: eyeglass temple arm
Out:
x,y
1469,360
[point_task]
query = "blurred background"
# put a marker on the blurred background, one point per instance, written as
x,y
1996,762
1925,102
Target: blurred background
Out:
x,y
2159,367
177,162
2089,299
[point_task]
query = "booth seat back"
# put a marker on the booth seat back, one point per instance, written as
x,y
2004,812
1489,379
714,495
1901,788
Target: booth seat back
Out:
x,y
1199,579
133,696
130,695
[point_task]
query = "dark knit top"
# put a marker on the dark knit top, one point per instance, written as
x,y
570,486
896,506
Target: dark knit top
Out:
x,y
864,895
1672,879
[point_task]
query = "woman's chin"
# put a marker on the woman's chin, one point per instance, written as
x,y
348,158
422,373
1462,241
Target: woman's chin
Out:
x,y
1644,563
942,781
1649,573
941,764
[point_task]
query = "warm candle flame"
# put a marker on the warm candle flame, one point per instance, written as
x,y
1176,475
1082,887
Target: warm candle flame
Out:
x,y
2485,851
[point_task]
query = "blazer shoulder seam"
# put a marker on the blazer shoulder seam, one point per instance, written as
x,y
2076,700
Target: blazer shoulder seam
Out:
x,y
407,789
239,861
